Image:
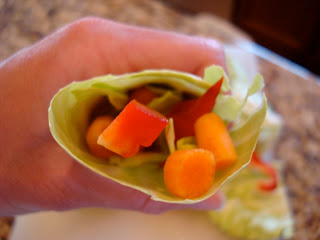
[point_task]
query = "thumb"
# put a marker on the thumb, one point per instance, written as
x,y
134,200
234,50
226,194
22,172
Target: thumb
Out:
x,y
215,202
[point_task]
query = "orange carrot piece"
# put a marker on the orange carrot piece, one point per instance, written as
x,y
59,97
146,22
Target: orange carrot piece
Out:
x,y
143,95
189,173
93,132
212,134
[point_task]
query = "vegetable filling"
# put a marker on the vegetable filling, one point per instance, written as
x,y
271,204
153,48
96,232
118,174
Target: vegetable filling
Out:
x,y
188,174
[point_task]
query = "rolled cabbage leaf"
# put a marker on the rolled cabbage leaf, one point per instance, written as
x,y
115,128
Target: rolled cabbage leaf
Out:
x,y
69,117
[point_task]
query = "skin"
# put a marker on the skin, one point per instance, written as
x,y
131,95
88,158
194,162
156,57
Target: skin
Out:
x,y
35,173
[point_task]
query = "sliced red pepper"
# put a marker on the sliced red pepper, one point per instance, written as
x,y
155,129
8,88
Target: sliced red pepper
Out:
x,y
266,185
186,113
182,107
136,125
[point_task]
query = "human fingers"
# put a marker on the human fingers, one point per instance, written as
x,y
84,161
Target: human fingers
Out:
x,y
214,202
94,46
83,188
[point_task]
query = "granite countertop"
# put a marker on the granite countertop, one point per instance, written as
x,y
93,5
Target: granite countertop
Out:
x,y
295,95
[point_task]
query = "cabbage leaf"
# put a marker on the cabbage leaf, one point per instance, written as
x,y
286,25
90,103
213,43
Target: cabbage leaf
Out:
x,y
69,116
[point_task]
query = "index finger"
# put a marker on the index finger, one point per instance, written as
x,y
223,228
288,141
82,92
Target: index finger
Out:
x,y
119,48
95,46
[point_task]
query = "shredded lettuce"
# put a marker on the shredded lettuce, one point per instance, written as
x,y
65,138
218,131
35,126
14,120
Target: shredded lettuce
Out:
x,y
213,74
187,143
165,102
170,136
69,117
250,213
138,159
226,102
240,80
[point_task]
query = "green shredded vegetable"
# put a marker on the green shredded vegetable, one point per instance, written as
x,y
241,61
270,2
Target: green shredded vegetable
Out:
x,y
250,213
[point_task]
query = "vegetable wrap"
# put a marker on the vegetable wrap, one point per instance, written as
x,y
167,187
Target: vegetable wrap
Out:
x,y
73,108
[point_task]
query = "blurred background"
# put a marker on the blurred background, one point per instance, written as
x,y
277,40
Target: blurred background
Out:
x,y
290,28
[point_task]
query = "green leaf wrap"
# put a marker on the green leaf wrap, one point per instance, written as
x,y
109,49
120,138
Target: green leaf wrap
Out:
x,y
69,116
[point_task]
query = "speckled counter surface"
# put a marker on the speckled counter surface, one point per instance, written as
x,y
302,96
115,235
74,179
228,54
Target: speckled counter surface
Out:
x,y
296,98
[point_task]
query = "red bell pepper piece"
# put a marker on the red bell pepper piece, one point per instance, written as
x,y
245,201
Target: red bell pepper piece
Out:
x,y
270,184
186,113
136,125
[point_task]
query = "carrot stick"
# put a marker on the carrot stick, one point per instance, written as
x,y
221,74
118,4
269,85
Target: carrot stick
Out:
x,y
212,134
189,173
93,132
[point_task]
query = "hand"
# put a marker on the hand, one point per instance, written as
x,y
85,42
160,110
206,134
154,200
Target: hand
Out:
x,y
35,173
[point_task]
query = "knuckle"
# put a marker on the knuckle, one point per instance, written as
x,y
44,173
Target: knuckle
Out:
x,y
83,26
